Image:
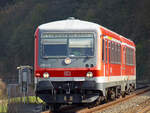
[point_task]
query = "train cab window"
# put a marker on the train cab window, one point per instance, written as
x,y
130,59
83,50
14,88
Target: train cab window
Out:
x,y
49,45
72,46
81,47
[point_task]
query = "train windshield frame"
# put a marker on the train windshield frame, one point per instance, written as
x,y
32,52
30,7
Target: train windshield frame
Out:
x,y
56,45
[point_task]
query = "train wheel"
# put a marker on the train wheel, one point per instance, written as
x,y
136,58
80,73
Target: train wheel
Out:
x,y
45,107
123,94
132,87
112,95
118,92
129,90
91,105
54,108
95,103
98,101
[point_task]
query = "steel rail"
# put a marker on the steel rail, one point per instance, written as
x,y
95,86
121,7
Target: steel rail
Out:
x,y
110,104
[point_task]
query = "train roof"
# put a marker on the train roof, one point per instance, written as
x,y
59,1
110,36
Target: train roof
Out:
x,y
71,23
121,38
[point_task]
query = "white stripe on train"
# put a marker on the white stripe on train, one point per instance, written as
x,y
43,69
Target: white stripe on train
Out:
x,y
97,79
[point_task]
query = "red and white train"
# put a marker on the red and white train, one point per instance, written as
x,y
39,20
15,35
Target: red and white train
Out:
x,y
82,62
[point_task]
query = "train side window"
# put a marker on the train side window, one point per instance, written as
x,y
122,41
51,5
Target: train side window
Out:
x,y
112,53
103,49
106,50
116,54
124,55
127,58
109,51
132,56
119,49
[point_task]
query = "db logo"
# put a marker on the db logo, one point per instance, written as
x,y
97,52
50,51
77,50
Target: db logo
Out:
x,y
67,73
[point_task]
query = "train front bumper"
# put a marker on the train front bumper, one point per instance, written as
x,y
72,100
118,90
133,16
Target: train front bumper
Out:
x,y
67,92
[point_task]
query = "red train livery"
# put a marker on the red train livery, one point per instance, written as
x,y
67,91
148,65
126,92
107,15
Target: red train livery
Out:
x,y
82,62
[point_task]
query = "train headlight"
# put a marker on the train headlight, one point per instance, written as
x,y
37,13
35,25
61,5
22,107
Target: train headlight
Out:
x,y
89,74
67,61
46,75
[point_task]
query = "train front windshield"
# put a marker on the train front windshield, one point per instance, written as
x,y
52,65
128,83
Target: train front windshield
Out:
x,y
72,45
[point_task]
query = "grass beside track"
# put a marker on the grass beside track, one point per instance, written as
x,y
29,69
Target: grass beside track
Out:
x,y
3,108
18,100
29,99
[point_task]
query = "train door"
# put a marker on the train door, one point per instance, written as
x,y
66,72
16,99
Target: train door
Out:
x,y
105,57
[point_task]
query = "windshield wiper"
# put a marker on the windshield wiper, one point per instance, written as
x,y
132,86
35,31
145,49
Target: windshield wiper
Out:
x,y
72,55
45,57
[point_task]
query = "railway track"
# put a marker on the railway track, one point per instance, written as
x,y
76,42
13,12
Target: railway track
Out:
x,y
99,108
145,110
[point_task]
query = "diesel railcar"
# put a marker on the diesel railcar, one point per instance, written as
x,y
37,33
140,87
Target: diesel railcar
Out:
x,y
82,62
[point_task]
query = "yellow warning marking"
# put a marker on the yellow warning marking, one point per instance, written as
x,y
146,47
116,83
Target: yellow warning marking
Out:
x,y
110,38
